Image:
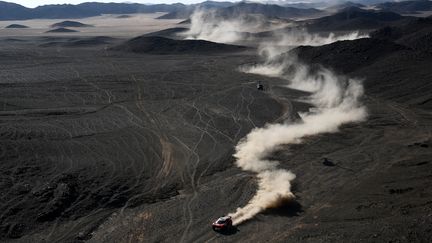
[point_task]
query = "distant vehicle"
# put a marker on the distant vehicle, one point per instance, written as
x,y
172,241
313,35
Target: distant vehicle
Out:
x,y
260,86
222,223
327,162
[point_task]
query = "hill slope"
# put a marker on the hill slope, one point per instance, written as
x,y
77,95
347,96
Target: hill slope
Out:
x,y
353,18
161,45
407,69
416,34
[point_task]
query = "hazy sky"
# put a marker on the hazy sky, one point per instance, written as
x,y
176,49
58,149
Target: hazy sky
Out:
x,y
34,3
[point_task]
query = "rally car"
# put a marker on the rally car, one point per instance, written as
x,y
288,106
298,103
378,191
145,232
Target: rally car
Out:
x,y
222,223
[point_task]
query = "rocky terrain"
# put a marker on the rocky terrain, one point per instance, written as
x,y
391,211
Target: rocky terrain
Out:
x,y
114,139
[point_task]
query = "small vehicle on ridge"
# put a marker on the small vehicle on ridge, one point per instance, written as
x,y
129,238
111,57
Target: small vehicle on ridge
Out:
x,y
260,86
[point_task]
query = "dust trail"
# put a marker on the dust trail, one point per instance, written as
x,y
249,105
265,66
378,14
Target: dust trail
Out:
x,y
208,25
211,26
301,37
337,102
283,41
336,98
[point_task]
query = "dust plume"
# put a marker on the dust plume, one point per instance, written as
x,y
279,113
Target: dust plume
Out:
x,y
336,98
337,102
288,39
301,37
211,26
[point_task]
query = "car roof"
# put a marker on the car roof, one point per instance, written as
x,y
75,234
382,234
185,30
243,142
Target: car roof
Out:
x,y
224,218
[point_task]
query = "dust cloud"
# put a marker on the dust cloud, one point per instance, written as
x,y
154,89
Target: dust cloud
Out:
x,y
337,100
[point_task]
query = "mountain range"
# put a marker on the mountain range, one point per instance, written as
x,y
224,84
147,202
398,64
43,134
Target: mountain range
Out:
x,y
12,11
406,6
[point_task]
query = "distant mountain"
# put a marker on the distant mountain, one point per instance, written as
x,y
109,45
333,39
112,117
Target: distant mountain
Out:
x,y
186,12
12,11
406,6
61,30
179,14
354,18
244,8
16,26
129,8
123,16
322,4
60,11
339,7
268,10
372,2
213,4
70,24
302,4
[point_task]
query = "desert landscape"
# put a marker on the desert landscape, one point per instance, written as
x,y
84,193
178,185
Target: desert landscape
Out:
x,y
146,123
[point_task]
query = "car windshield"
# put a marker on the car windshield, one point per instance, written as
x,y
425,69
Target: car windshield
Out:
x,y
221,221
